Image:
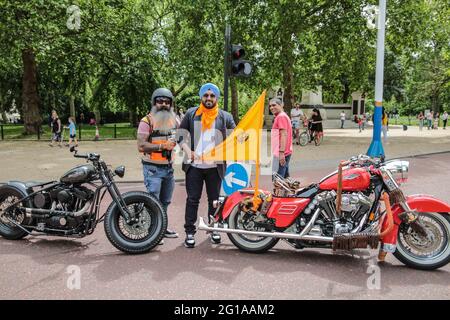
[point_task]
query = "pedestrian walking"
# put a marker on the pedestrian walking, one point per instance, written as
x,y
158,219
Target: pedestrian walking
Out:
x,y
444,119
56,129
436,121
421,118
384,125
72,132
342,117
429,119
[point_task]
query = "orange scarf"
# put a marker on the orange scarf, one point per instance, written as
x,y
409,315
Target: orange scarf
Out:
x,y
208,115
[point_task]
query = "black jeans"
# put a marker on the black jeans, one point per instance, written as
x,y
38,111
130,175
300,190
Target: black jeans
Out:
x,y
194,188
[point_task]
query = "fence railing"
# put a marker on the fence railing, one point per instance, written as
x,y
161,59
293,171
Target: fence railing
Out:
x,y
83,132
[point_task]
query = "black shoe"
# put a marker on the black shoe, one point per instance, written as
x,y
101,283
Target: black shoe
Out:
x,y
215,237
189,242
170,234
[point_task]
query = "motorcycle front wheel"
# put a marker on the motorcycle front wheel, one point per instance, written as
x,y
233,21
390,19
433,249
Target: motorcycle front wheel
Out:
x,y
143,235
425,253
247,243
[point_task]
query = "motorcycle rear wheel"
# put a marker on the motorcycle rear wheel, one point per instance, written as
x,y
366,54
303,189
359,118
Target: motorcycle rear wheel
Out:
x,y
8,230
143,236
417,252
244,242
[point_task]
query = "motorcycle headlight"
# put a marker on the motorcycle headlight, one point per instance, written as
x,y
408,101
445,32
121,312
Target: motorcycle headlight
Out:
x,y
120,171
399,170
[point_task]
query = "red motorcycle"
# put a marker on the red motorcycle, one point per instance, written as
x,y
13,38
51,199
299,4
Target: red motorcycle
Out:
x,y
358,206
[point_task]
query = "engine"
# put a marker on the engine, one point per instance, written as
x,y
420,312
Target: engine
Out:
x,y
354,207
66,199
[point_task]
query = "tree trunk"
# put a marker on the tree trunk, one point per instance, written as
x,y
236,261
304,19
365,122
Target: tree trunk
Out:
x,y
5,118
30,98
132,117
72,106
345,93
288,73
234,100
98,116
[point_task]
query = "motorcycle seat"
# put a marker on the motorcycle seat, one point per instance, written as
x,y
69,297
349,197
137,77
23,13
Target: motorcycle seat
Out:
x,y
31,184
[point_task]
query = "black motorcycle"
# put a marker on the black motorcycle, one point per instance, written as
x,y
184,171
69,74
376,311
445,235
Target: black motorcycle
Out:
x,y
135,222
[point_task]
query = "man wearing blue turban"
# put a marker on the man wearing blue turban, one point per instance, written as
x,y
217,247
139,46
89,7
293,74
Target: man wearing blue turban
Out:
x,y
207,126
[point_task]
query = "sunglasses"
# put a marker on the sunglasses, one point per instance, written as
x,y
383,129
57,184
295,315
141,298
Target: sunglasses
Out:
x,y
206,95
162,100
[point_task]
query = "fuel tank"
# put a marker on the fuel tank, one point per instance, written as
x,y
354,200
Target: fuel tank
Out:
x,y
354,179
79,174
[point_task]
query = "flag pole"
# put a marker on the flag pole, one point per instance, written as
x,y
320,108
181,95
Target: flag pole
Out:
x,y
256,199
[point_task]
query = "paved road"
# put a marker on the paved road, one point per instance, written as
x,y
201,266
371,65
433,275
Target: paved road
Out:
x,y
36,268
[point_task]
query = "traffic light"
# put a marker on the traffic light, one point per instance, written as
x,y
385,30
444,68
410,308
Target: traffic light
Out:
x,y
239,67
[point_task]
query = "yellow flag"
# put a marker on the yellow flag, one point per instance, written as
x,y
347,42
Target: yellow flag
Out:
x,y
243,144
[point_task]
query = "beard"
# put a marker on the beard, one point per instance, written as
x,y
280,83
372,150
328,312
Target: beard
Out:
x,y
164,120
209,104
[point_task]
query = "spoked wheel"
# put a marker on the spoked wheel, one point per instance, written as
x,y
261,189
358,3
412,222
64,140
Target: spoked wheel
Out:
x,y
140,236
8,220
426,253
254,244
318,137
303,139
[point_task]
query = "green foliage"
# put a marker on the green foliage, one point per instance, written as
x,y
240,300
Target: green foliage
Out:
x,y
124,49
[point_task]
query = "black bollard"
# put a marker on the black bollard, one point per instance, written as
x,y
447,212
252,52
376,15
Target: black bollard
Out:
x,y
3,136
115,131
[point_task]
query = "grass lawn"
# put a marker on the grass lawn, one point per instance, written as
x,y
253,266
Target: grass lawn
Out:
x,y
123,131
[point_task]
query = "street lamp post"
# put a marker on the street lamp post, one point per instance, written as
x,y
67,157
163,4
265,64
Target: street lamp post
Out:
x,y
376,147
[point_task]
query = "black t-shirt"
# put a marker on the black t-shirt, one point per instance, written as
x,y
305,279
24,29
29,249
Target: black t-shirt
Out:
x,y
55,125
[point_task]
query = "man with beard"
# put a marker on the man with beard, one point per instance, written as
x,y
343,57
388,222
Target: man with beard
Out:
x,y
155,142
207,126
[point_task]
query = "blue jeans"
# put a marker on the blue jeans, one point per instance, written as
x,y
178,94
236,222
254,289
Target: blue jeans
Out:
x,y
281,170
159,182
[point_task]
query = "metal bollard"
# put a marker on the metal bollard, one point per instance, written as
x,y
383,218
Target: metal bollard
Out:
x,y
115,131
3,135
38,132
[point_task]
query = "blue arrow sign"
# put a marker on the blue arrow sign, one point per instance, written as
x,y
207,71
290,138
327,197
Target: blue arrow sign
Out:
x,y
236,178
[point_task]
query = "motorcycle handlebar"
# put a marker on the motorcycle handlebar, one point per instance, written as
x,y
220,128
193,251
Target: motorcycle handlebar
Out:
x,y
89,156
84,156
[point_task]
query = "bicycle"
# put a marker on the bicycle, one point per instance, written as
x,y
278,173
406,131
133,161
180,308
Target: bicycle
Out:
x,y
305,136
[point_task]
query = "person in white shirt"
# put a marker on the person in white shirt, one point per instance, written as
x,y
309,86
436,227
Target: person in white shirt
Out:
x,y
342,116
296,118
445,118
429,119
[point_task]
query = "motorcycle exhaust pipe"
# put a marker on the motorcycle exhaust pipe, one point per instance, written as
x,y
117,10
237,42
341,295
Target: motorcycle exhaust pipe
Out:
x,y
45,213
203,226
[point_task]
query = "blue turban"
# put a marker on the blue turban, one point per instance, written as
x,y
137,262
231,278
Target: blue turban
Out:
x,y
209,86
